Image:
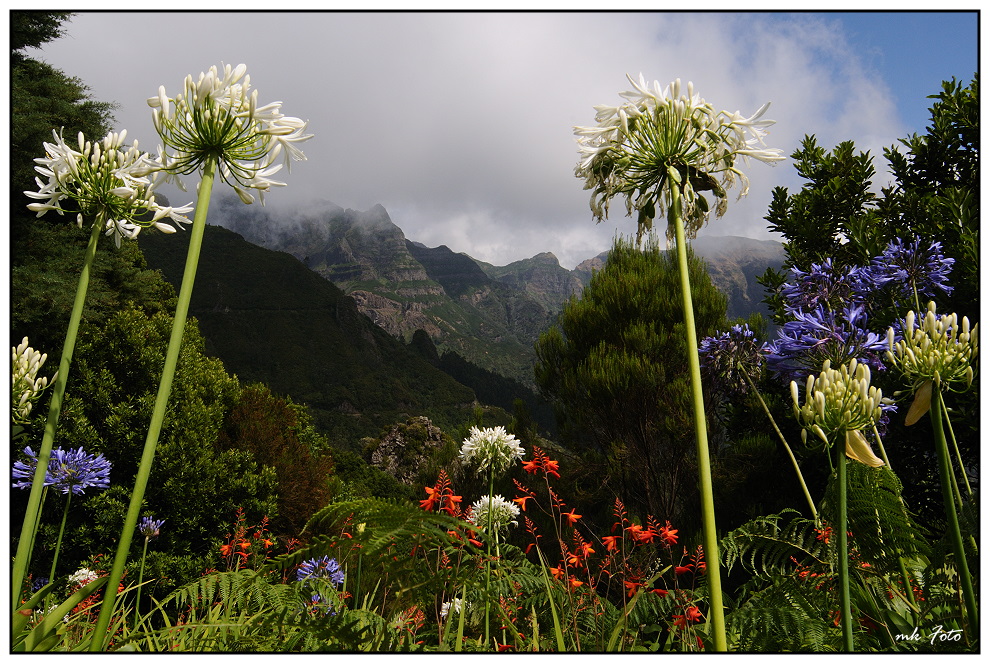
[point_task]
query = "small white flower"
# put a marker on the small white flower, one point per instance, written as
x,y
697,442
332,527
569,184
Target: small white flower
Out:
x,y
491,447
495,511
453,605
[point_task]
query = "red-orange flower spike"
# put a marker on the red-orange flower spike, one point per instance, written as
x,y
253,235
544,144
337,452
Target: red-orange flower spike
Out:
x,y
551,467
612,542
430,503
668,535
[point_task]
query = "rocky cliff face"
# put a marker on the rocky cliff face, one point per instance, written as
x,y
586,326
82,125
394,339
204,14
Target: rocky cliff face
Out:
x,y
489,314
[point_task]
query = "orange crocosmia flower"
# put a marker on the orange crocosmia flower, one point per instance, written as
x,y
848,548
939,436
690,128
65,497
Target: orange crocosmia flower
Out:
x,y
430,502
682,569
585,550
679,621
645,536
245,545
550,467
226,549
267,542
575,583
611,542
571,517
531,466
668,535
693,614
660,591
631,587
574,560
634,531
557,572
521,501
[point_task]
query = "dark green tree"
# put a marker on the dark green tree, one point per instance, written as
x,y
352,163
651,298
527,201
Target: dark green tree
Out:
x,y
615,368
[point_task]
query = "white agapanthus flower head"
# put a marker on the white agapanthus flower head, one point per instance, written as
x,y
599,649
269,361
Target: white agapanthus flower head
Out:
x,y
660,139
26,385
841,401
82,577
491,448
106,181
495,512
216,118
941,346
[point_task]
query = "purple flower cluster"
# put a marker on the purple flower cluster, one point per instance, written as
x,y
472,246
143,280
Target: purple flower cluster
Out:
x,y
915,270
731,356
829,307
149,527
325,567
68,470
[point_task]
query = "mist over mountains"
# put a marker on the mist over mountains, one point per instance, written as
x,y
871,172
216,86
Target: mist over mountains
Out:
x,y
490,315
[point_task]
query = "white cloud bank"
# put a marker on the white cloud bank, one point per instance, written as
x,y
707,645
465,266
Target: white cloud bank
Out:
x,y
461,124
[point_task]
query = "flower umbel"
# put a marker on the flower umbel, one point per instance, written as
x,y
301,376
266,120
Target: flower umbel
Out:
x,y
659,139
936,346
68,471
107,181
217,118
150,527
325,567
841,402
491,448
26,386
731,354
503,512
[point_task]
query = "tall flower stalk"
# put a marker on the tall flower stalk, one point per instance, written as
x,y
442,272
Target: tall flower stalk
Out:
x,y
214,127
494,450
660,150
935,353
838,405
105,183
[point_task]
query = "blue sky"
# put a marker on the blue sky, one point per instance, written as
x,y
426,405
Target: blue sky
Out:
x,y
914,52
461,124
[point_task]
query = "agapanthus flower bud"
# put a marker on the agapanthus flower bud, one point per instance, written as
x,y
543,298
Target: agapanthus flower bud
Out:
x,y
26,385
839,401
491,448
933,347
150,527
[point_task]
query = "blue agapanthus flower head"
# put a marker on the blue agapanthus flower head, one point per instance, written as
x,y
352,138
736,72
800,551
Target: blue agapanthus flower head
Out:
x,y
915,267
804,343
825,285
68,470
325,567
731,356
150,527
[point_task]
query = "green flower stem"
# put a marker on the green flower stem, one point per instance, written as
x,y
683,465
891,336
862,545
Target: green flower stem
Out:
x,y
61,531
137,599
883,451
715,615
488,545
955,444
845,602
25,545
955,535
161,403
797,468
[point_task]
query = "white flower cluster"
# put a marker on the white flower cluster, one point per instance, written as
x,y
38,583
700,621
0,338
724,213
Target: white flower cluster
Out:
x,y
491,447
82,577
109,183
453,605
664,138
26,385
935,346
217,118
841,401
495,511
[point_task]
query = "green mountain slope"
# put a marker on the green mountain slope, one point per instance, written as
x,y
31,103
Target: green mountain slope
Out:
x,y
271,319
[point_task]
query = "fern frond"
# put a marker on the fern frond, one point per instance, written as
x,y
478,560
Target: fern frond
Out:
x,y
765,545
